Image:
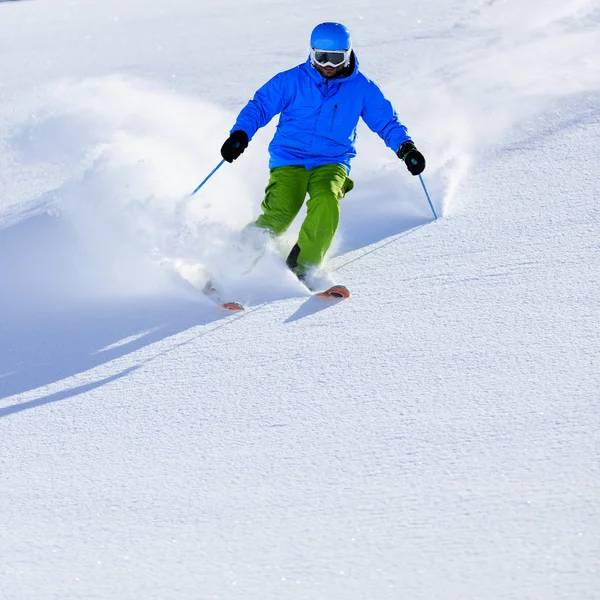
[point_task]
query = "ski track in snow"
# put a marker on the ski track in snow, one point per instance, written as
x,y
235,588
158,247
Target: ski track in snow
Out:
x,y
434,436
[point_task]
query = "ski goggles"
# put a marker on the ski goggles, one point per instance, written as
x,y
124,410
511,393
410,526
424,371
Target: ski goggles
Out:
x,y
329,58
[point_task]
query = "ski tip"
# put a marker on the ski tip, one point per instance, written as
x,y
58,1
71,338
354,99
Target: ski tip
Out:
x,y
337,292
209,289
232,306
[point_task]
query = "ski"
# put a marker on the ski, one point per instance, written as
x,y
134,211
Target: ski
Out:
x,y
336,292
210,291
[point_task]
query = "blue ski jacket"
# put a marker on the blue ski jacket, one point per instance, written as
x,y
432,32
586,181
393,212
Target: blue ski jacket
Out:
x,y
318,119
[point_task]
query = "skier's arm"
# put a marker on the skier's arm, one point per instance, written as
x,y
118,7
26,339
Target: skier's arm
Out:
x,y
268,101
380,116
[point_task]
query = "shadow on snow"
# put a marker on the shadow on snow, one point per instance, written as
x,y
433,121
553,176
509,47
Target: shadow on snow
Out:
x,y
50,330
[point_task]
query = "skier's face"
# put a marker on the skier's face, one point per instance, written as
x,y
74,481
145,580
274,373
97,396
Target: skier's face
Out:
x,y
329,72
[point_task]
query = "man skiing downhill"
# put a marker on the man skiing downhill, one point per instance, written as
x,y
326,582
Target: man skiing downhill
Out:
x,y
320,103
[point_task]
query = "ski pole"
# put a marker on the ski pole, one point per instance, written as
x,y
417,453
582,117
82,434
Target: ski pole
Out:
x,y
208,177
428,198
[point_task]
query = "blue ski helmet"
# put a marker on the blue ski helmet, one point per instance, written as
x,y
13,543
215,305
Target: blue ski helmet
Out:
x,y
330,36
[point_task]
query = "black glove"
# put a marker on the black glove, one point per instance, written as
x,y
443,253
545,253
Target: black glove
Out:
x,y
414,160
234,145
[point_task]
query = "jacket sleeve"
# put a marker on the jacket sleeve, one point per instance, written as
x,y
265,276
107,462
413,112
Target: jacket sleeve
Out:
x,y
380,116
268,101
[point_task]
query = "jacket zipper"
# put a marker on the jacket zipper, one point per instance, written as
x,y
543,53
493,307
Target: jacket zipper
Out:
x,y
333,118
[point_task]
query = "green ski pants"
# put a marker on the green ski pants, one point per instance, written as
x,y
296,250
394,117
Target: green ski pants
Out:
x,y
284,197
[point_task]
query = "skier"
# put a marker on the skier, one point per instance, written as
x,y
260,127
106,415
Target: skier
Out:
x,y
320,102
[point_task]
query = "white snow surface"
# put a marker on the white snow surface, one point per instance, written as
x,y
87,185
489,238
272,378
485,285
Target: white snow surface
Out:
x,y
433,437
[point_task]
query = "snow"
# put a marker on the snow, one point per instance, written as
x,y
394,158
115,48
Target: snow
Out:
x,y
434,436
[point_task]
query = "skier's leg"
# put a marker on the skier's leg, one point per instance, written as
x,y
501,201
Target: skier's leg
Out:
x,y
327,184
283,200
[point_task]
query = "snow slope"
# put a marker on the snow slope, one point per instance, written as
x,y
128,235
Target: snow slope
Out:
x,y
435,436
